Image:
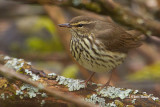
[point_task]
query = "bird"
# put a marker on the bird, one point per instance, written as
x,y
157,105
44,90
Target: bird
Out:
x,y
100,46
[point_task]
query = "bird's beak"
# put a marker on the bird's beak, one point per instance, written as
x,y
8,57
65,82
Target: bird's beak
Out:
x,y
65,25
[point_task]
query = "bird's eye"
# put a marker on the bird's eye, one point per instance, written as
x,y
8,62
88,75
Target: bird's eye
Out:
x,y
79,25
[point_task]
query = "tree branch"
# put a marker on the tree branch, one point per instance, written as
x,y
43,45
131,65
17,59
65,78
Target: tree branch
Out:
x,y
111,8
67,89
43,84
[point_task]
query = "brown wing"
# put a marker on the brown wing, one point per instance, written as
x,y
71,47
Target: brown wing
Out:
x,y
117,40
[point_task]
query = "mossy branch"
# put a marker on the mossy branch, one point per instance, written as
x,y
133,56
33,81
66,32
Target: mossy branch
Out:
x,y
54,88
19,86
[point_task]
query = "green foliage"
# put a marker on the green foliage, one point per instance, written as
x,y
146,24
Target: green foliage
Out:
x,y
45,22
151,72
39,45
43,42
94,7
70,71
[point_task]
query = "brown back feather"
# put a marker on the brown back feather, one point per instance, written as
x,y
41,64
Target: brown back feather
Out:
x,y
116,39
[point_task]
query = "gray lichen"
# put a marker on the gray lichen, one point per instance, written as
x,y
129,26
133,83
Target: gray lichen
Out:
x,y
19,92
14,63
29,91
34,76
133,101
112,92
44,95
42,103
100,101
135,91
154,98
17,64
72,84
2,96
52,76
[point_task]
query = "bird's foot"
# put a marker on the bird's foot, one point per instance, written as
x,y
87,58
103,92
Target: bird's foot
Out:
x,y
105,85
87,81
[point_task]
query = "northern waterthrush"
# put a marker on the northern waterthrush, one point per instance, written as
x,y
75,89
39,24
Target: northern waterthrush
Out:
x,y
97,45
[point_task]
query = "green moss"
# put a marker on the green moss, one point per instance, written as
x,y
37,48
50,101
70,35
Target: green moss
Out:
x,y
45,22
3,83
118,103
94,7
70,71
151,72
42,42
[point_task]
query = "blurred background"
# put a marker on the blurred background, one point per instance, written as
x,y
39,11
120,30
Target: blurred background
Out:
x,y
29,30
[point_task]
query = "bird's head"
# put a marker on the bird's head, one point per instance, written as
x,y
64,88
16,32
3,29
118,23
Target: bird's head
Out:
x,y
81,25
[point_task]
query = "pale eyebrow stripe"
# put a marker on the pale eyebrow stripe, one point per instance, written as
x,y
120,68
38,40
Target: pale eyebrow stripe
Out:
x,y
83,22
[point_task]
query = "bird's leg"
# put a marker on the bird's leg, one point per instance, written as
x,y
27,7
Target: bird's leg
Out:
x,y
88,79
108,82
